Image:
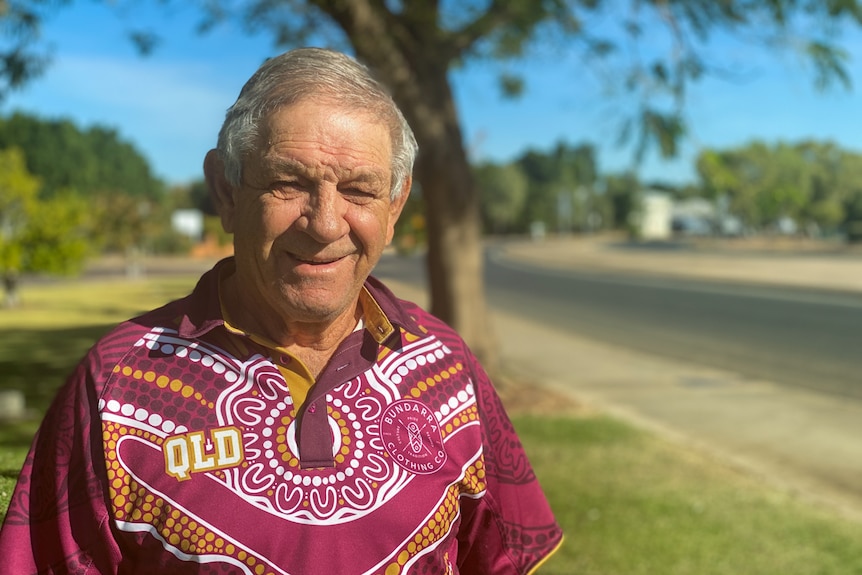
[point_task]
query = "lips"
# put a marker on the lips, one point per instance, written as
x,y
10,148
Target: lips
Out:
x,y
317,261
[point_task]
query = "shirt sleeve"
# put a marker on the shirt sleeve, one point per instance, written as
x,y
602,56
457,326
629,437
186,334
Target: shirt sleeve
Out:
x,y
511,529
58,519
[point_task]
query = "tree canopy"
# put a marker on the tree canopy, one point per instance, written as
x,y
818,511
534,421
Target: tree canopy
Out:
x,y
816,184
37,236
91,161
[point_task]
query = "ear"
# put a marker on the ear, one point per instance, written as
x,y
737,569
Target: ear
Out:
x,y
221,191
396,206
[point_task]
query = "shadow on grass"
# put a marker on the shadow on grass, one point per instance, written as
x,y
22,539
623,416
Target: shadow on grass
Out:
x,y
37,361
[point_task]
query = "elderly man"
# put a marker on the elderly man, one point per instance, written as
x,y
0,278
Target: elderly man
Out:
x,y
290,416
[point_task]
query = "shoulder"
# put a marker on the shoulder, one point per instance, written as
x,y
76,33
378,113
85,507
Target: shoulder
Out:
x,y
130,336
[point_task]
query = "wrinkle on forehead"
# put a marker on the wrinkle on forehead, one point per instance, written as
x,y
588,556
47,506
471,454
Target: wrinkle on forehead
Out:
x,y
276,164
293,141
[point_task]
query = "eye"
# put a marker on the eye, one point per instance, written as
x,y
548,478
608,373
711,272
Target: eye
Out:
x,y
286,189
358,193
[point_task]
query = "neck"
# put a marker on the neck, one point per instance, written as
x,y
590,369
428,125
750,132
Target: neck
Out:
x,y
313,342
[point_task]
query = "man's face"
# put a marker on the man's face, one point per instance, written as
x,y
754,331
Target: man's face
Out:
x,y
313,213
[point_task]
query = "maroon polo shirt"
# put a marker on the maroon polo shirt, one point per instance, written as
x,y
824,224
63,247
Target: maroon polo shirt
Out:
x,y
175,447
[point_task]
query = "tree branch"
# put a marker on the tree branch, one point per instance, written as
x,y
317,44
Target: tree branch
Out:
x,y
498,15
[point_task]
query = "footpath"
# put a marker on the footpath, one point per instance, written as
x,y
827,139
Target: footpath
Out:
x,y
802,442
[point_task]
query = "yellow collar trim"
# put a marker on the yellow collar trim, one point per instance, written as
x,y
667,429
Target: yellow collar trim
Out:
x,y
376,322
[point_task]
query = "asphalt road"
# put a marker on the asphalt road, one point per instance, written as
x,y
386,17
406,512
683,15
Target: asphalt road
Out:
x,y
789,336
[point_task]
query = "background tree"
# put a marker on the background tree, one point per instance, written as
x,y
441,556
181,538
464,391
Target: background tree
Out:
x,y
622,192
130,208
36,236
92,161
21,55
561,186
503,191
813,184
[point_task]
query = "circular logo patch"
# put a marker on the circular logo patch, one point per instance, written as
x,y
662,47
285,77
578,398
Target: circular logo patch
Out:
x,y
411,436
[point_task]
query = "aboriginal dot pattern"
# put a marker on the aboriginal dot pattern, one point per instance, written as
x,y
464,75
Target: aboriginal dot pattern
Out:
x,y
156,384
131,501
436,528
171,387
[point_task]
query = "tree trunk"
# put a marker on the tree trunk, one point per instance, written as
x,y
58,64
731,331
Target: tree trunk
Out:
x,y
452,208
10,289
400,49
455,251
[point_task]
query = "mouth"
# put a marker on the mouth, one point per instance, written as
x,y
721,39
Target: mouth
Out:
x,y
316,261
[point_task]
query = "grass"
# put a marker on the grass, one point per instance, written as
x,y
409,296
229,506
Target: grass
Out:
x,y
630,503
43,339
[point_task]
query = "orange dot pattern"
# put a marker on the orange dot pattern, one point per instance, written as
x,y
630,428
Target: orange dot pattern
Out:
x,y
474,478
281,441
134,503
436,528
424,385
344,430
466,416
164,382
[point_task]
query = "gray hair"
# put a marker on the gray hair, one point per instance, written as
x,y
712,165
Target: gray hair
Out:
x,y
302,73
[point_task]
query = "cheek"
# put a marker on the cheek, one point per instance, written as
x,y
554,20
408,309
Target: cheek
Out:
x,y
273,220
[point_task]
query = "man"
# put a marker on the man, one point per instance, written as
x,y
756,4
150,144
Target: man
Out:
x,y
290,416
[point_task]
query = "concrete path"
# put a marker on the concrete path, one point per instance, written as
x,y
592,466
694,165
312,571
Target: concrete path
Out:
x,y
803,442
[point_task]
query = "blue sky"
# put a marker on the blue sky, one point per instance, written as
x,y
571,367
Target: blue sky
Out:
x,y
170,104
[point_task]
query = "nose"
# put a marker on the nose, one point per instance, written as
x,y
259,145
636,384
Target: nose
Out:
x,y
323,217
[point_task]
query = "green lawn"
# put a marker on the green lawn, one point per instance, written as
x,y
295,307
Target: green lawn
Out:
x,y
629,502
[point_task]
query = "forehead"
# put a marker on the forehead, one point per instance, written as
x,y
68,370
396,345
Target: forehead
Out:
x,y
321,133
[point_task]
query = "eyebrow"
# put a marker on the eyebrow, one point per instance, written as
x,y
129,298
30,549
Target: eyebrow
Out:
x,y
362,174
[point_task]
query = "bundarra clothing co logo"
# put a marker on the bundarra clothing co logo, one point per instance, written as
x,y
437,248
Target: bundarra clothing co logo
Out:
x,y
411,435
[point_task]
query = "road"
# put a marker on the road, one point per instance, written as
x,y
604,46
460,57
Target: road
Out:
x,y
762,378
800,337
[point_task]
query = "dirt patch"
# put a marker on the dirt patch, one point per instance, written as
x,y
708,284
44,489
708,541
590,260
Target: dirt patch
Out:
x,y
521,395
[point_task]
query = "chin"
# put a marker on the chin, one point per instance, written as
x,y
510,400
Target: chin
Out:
x,y
312,309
